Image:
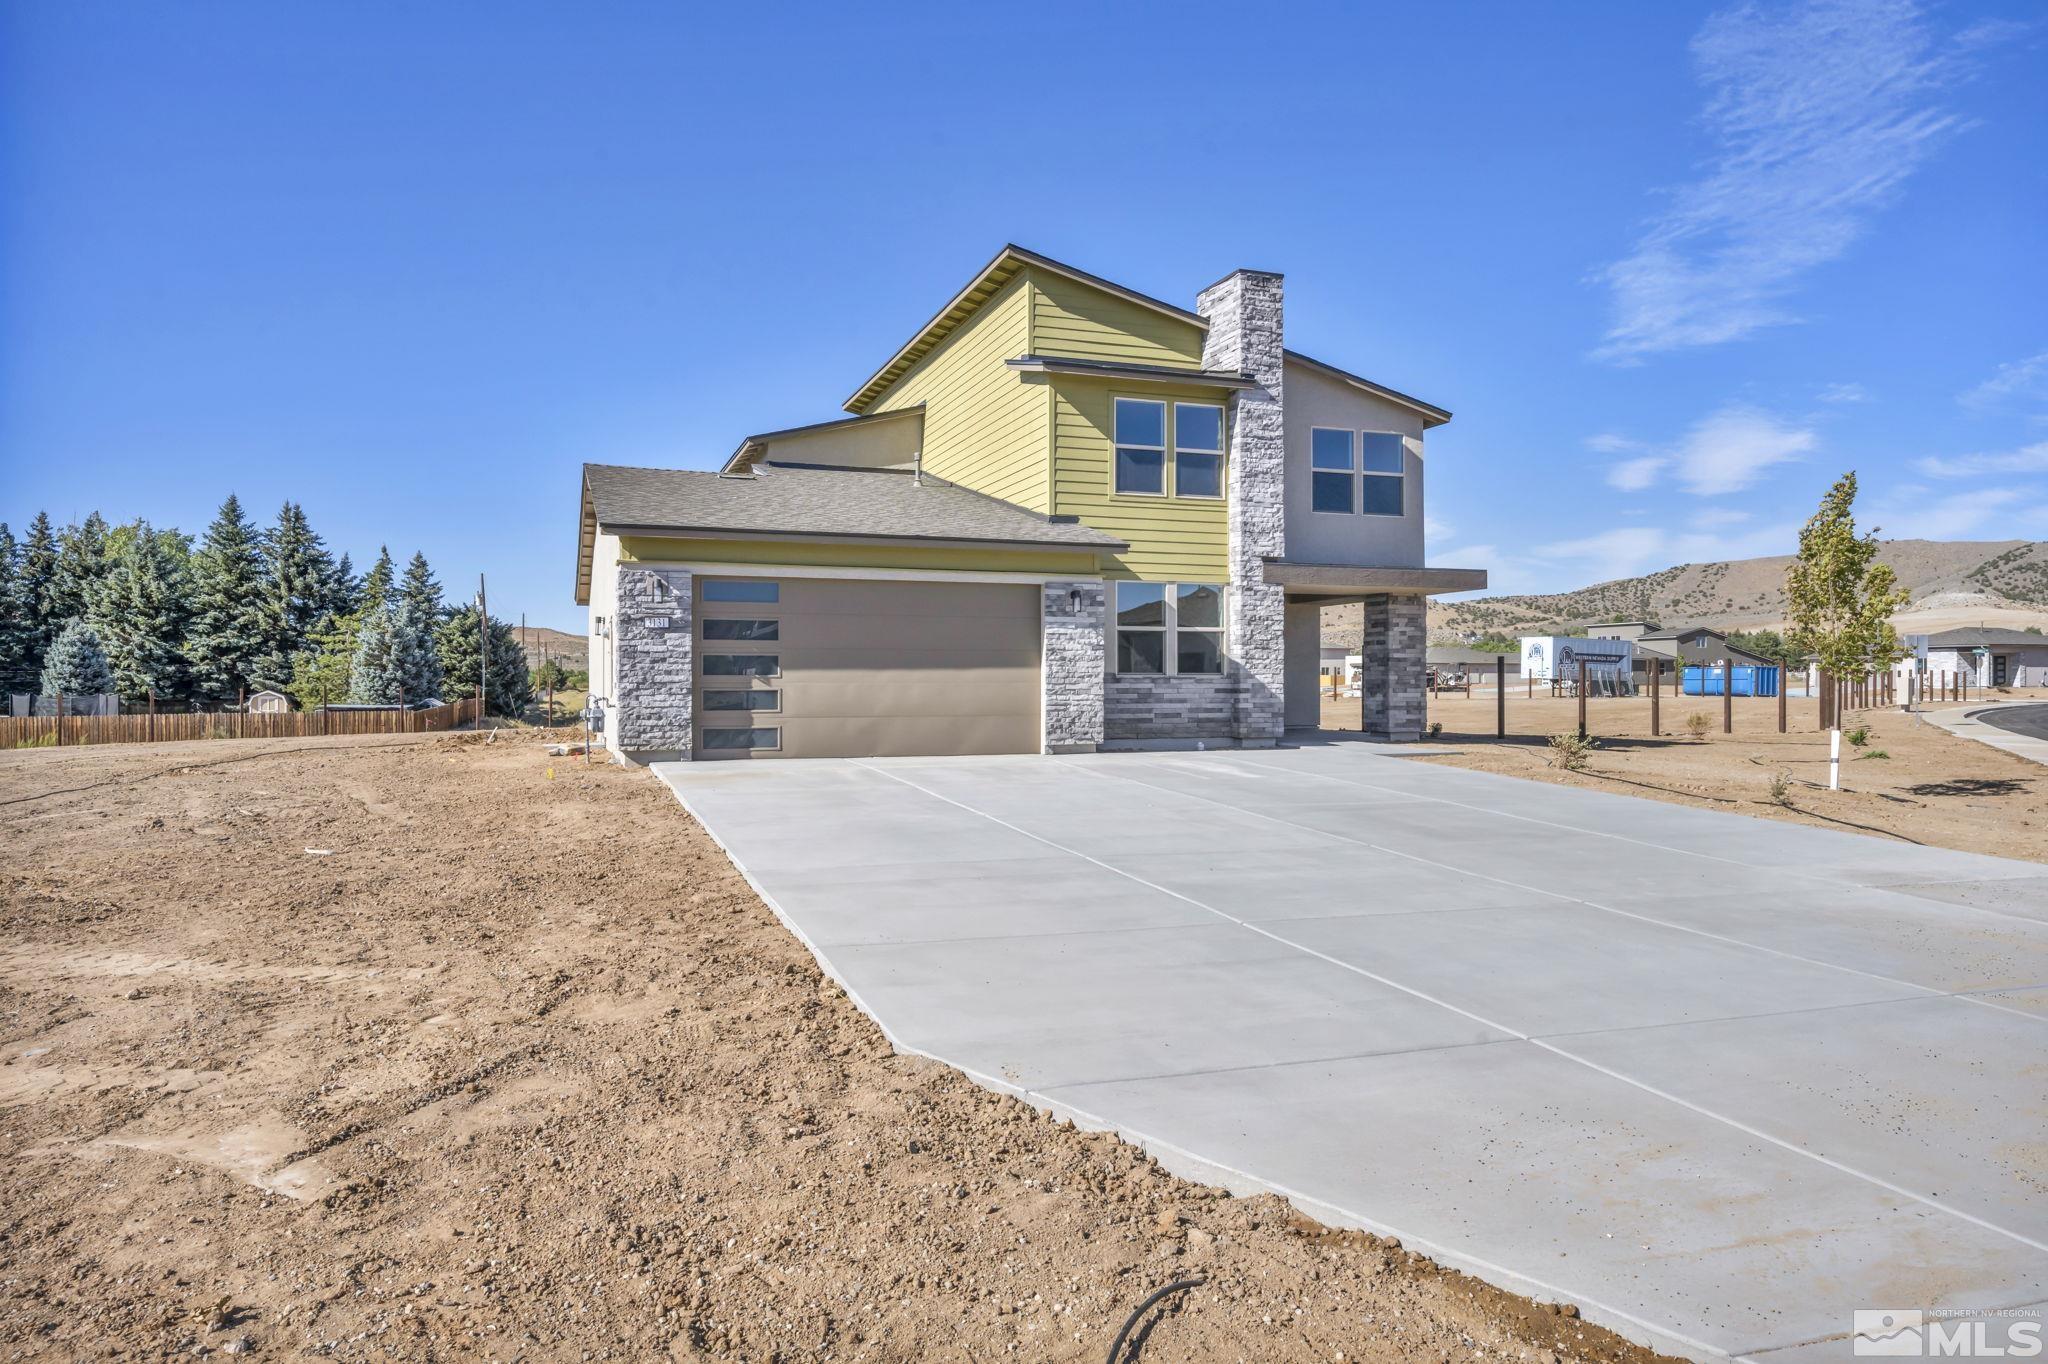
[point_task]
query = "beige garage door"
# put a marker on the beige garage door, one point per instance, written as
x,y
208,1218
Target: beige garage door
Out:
x,y
833,668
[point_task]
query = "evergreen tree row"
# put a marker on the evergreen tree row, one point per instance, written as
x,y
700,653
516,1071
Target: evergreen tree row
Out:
x,y
143,611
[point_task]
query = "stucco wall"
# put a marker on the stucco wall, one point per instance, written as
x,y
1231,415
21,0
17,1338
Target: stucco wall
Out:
x,y
1314,399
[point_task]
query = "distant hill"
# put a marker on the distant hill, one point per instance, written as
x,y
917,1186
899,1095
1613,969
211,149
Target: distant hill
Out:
x,y
571,651
1954,583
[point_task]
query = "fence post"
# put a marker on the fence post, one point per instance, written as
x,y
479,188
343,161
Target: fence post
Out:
x,y
1656,695
1781,698
1728,695
1582,698
1500,697
60,719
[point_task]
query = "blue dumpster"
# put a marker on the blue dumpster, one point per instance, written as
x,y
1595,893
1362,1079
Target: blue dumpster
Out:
x,y
1747,681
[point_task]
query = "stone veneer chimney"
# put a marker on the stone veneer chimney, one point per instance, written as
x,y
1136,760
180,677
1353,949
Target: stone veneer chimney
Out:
x,y
1245,334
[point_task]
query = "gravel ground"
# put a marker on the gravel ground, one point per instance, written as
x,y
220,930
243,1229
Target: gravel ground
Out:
x,y
1909,780
438,1049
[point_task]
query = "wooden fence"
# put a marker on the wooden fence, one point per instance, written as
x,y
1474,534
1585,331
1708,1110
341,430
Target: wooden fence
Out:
x,y
48,731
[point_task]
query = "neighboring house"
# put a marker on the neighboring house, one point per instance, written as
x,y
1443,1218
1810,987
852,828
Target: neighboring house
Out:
x,y
1991,658
1063,515
1695,646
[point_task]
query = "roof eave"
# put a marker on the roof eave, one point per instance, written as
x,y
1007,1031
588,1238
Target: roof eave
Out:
x,y
857,538
1130,373
761,439
1431,414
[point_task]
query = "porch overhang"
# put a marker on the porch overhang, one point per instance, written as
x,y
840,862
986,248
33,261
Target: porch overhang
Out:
x,y
1330,584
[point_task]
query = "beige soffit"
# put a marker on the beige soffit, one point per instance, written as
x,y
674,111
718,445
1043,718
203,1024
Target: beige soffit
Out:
x,y
1364,578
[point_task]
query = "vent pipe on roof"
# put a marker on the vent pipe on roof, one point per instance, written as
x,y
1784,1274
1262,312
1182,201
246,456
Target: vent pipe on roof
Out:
x,y
917,466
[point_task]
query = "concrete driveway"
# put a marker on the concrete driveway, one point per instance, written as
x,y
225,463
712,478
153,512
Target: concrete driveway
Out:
x,y
1718,1080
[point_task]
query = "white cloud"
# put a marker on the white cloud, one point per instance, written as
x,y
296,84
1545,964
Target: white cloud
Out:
x,y
1628,551
1818,114
1724,452
1634,475
2020,379
1718,516
1611,443
1730,450
2029,459
1434,529
1985,513
1843,393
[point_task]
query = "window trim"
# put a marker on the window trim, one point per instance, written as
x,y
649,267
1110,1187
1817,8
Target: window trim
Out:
x,y
704,669
1220,453
1170,627
1358,473
1165,451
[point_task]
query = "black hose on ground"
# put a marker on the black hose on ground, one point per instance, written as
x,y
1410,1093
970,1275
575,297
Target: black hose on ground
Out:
x,y
1116,1347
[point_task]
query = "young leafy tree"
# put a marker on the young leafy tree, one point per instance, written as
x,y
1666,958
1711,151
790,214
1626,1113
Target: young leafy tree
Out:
x,y
38,578
510,688
1839,597
323,672
1767,644
225,636
141,611
20,644
80,569
294,598
76,665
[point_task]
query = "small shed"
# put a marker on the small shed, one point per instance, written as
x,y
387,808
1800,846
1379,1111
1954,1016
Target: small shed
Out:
x,y
268,702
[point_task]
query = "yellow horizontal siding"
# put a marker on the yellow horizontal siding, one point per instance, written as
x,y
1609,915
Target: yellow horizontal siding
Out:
x,y
983,427
1073,319
951,558
1171,539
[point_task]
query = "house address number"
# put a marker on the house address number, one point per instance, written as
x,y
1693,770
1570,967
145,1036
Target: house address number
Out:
x,y
657,622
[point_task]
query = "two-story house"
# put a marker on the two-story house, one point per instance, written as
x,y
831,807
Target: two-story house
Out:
x,y
1063,516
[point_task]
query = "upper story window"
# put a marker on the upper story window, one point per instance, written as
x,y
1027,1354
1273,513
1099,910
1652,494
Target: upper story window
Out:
x,y
1332,471
1140,446
1145,440
1197,450
1382,458
1169,628
1361,472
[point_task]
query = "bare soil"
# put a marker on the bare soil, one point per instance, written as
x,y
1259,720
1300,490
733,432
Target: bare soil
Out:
x,y
427,1048
1910,780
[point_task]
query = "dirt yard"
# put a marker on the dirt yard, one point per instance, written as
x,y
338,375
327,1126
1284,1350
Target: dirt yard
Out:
x,y
1910,780
432,1049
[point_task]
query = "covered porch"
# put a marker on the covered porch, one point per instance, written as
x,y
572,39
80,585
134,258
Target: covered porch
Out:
x,y
1393,643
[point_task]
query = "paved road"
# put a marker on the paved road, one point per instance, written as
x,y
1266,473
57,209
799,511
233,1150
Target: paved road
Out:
x,y
2031,721
1718,1080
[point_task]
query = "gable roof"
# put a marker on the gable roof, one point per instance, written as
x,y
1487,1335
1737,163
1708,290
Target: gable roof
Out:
x,y
991,278
752,446
1971,636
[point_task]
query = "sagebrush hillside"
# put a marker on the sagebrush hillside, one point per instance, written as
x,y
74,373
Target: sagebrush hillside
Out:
x,y
1960,582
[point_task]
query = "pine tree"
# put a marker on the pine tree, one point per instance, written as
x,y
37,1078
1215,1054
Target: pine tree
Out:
x,y
226,633
141,611
38,577
510,688
20,646
344,589
76,665
294,598
421,591
80,570
419,664
378,583
375,672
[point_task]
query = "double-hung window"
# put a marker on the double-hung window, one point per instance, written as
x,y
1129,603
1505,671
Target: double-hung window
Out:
x,y
1332,466
1197,450
1141,446
1382,456
1169,628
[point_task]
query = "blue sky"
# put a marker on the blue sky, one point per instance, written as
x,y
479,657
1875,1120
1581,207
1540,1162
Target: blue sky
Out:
x,y
1674,267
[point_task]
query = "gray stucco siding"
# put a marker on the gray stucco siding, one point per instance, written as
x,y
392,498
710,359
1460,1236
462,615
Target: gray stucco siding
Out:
x,y
1314,399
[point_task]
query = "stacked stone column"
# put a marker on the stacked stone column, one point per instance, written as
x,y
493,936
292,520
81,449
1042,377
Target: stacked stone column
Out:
x,y
1393,657
1074,664
654,653
1245,334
